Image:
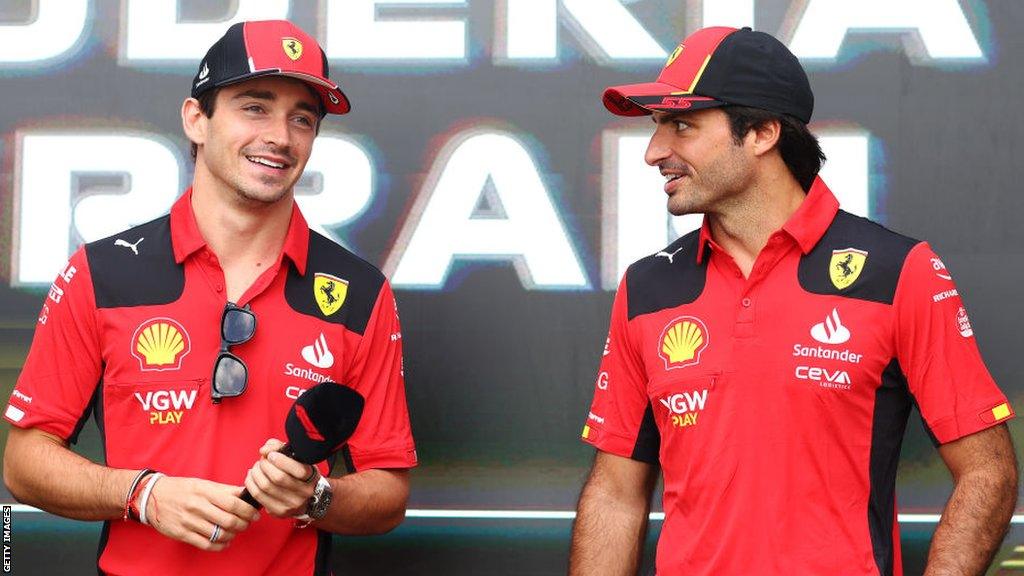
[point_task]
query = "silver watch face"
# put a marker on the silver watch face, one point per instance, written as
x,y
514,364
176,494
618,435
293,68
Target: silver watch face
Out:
x,y
321,500
320,505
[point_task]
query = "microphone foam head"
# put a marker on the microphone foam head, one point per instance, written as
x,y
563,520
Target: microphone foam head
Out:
x,y
321,420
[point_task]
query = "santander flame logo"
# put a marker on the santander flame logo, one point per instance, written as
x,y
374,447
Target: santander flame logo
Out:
x,y
831,331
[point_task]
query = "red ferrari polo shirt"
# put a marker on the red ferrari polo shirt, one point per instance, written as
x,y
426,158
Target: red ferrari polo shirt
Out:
x,y
130,330
776,404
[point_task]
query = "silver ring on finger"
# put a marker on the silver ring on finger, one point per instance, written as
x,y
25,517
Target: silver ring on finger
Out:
x,y
312,475
216,533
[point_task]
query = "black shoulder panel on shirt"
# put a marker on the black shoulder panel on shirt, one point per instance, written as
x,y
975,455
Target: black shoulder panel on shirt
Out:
x,y
358,298
667,279
888,422
136,267
876,282
648,440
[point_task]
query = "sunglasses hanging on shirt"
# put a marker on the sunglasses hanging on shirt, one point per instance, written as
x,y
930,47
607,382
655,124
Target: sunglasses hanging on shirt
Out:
x,y
230,374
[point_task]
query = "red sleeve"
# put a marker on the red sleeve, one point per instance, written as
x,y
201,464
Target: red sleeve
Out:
x,y
63,368
616,423
936,348
383,438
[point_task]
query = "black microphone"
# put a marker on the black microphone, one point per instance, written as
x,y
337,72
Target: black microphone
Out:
x,y
319,422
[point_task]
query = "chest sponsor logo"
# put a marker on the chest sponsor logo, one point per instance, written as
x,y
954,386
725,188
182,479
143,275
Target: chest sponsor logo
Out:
x,y
607,346
685,407
846,266
166,406
963,323
160,344
602,381
318,354
940,269
834,379
801,351
683,341
831,331
293,392
304,373
329,292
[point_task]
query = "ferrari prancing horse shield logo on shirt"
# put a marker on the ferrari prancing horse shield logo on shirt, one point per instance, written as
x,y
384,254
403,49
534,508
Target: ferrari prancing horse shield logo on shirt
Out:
x,y
845,267
329,292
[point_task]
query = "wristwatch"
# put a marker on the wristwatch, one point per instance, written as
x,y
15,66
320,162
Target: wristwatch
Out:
x,y
319,502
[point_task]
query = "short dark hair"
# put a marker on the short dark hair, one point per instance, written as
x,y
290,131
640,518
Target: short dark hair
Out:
x,y
799,148
207,101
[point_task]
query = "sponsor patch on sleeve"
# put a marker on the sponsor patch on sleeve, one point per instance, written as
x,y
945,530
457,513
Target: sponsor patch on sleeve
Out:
x,y
997,414
14,413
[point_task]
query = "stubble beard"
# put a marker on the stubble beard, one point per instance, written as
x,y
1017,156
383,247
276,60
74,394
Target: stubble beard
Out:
x,y
270,193
719,184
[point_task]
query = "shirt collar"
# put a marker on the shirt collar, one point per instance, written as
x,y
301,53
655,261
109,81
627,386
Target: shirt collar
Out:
x,y
806,226
187,240
810,221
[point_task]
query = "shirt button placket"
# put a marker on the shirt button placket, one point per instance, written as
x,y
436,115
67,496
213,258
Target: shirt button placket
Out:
x,y
745,318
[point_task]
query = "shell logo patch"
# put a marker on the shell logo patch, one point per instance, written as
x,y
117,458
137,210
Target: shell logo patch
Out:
x,y
845,266
683,341
160,344
329,292
292,48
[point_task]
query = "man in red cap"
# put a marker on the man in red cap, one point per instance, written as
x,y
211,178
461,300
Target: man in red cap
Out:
x,y
190,337
767,363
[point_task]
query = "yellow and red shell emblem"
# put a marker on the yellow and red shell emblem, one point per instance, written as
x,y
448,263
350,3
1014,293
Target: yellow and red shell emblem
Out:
x,y
160,344
682,342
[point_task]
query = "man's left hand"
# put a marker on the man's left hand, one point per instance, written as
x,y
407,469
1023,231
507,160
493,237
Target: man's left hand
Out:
x,y
282,485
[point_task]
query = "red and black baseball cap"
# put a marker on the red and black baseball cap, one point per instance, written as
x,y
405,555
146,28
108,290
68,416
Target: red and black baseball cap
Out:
x,y
268,48
721,66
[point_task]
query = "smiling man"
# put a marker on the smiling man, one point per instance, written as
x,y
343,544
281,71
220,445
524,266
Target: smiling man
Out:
x,y
767,363
189,338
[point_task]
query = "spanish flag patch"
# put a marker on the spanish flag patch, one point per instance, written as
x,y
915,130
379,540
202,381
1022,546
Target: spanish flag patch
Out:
x,y
586,431
997,414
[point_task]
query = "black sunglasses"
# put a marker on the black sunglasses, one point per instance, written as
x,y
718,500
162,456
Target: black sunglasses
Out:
x,y
230,374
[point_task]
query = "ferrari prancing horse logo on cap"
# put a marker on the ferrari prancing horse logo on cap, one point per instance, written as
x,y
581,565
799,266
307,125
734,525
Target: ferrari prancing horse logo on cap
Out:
x,y
329,292
845,266
675,54
292,48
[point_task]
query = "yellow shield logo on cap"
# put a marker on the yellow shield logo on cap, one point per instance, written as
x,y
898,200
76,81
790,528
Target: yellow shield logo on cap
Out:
x,y
329,292
845,266
675,54
292,48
